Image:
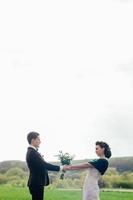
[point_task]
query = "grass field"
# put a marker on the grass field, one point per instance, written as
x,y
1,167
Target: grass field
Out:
x,y
14,193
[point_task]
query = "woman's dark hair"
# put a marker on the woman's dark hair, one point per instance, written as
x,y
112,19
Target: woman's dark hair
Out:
x,y
107,150
32,135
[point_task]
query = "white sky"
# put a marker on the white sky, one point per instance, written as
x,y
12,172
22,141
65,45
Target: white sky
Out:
x,y
66,71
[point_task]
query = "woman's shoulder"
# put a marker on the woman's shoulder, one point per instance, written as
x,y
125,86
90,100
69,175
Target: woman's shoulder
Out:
x,y
100,160
100,164
103,161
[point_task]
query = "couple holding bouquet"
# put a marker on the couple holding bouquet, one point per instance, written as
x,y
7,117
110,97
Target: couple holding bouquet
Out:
x,y
38,168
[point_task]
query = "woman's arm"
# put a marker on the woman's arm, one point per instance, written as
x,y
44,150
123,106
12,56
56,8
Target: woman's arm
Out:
x,y
78,167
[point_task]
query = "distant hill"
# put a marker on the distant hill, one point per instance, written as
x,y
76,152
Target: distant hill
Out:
x,y
121,164
6,165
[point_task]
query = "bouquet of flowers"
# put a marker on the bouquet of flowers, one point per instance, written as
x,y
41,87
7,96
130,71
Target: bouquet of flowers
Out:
x,y
65,159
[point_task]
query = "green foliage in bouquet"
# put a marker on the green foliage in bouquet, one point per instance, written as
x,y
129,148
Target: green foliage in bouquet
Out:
x,y
65,159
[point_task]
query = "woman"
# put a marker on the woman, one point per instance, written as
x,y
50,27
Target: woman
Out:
x,y
96,168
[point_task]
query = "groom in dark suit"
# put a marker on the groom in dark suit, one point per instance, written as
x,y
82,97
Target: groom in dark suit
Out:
x,y
38,167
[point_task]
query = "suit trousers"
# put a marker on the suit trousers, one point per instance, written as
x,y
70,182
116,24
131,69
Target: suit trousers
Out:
x,y
37,192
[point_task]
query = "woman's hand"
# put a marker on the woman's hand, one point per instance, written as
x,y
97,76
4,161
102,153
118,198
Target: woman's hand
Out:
x,y
66,167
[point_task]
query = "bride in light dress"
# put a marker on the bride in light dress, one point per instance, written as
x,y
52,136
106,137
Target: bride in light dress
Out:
x,y
95,169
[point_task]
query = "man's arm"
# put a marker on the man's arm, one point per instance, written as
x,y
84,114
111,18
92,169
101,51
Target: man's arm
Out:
x,y
40,162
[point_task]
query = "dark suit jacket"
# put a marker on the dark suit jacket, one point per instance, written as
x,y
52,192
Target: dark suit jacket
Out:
x,y
38,168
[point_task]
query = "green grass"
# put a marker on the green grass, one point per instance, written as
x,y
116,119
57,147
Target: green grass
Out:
x,y
14,193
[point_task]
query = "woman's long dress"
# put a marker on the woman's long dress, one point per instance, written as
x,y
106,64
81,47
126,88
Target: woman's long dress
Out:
x,y
91,188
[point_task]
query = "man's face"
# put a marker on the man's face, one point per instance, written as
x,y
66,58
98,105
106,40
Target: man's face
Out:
x,y
36,142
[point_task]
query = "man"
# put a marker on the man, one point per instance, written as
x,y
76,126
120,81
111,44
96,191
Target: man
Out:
x,y
38,177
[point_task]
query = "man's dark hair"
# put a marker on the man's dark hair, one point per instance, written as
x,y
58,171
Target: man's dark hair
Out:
x,y
32,135
107,150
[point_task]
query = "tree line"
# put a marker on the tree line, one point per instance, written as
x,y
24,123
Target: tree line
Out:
x,y
118,175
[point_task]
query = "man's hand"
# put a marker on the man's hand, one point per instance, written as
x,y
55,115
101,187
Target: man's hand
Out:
x,y
62,169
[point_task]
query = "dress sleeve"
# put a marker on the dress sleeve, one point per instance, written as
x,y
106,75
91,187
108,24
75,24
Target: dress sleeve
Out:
x,y
100,164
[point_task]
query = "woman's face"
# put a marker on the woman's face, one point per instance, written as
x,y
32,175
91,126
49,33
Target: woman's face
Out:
x,y
99,151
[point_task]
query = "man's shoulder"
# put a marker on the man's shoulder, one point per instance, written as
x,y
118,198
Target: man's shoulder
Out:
x,y
30,151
